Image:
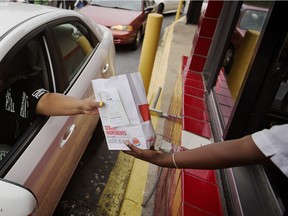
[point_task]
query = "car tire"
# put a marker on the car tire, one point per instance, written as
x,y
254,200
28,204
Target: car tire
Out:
x,y
160,8
135,44
228,59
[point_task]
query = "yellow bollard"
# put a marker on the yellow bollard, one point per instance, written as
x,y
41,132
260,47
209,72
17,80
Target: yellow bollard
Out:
x,y
241,63
149,48
180,4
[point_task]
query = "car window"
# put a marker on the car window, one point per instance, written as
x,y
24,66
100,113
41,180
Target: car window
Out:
x,y
75,45
23,74
26,68
252,20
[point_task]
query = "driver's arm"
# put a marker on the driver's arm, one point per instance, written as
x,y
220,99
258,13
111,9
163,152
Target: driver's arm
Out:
x,y
55,104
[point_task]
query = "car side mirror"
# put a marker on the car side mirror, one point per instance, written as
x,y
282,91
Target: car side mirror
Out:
x,y
16,200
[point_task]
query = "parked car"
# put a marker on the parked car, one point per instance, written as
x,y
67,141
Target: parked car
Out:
x,y
126,19
67,50
169,6
251,18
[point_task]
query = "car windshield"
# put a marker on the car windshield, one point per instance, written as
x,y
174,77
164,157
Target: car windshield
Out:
x,y
252,20
126,5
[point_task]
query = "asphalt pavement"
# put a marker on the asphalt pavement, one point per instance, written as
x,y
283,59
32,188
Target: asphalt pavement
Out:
x,y
89,179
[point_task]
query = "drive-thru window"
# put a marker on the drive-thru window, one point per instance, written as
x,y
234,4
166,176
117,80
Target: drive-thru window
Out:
x,y
252,96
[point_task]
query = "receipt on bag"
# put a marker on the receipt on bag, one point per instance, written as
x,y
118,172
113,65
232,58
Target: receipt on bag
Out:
x,y
114,108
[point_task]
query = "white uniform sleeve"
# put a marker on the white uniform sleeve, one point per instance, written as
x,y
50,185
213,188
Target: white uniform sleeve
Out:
x,y
274,143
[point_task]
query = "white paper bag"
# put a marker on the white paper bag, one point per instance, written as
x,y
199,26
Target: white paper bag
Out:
x,y
125,115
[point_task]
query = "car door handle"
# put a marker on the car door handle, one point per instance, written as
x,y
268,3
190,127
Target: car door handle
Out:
x,y
105,69
67,135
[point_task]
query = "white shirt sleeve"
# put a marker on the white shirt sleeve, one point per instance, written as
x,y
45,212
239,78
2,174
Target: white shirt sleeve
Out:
x,y
274,143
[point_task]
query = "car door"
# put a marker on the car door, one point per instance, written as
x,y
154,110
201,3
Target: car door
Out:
x,y
68,55
171,5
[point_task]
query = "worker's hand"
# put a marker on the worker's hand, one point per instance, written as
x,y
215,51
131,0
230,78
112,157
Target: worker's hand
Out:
x,y
90,105
151,156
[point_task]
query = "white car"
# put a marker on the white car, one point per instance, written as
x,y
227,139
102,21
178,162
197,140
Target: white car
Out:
x,y
67,50
169,6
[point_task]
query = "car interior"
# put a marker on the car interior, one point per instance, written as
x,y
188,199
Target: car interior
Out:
x,y
27,63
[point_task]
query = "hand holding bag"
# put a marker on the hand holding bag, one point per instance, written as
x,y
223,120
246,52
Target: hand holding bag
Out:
x,y
125,115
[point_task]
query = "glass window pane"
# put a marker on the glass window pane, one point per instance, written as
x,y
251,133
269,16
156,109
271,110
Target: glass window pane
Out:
x,y
74,45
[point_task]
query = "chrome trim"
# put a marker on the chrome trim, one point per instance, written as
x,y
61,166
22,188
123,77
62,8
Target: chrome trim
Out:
x,y
50,64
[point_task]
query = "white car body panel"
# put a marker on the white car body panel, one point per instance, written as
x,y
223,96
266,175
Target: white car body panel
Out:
x,y
44,166
18,196
170,6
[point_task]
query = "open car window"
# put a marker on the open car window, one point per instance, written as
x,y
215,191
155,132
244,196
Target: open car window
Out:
x,y
31,60
23,73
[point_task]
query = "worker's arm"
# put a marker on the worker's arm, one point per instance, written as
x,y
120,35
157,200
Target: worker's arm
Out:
x,y
225,154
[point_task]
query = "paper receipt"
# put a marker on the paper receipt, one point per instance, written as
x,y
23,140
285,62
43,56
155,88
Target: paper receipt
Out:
x,y
115,110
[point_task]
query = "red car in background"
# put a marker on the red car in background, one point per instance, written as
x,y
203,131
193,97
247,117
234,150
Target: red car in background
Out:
x,y
126,19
